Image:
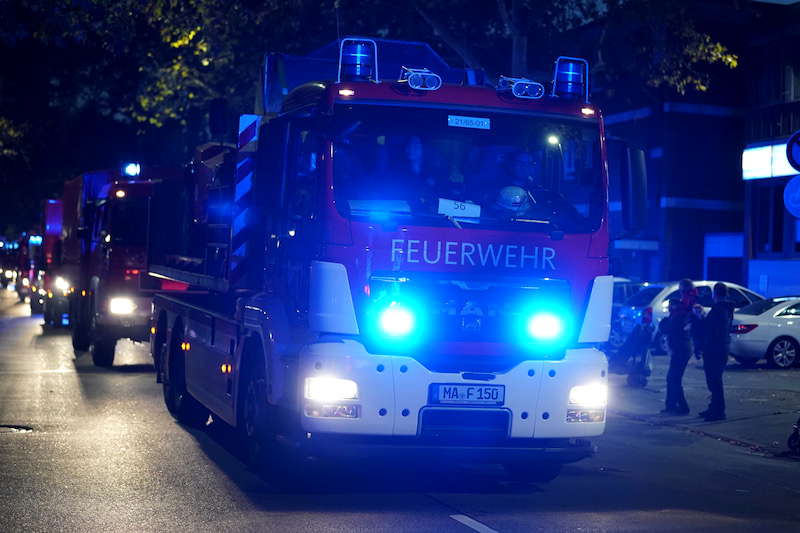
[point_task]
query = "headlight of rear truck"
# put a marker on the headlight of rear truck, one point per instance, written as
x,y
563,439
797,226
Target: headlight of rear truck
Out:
x,y
121,306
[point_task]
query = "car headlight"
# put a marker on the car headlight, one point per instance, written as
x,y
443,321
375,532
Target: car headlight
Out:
x,y
26,282
8,274
328,389
545,326
61,284
594,395
121,306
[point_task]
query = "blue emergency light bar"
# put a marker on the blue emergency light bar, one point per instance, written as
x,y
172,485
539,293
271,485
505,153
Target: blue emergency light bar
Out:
x,y
131,169
35,239
571,79
358,60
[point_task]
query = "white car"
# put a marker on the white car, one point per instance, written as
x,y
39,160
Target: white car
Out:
x,y
769,329
650,305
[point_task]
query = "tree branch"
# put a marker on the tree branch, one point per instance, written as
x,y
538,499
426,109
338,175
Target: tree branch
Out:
x,y
438,29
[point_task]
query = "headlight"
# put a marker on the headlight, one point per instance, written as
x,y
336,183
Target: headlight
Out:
x,y
62,284
8,274
594,395
121,306
396,321
545,326
26,282
327,389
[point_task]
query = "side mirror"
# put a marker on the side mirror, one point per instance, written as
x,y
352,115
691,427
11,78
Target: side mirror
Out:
x,y
627,168
634,191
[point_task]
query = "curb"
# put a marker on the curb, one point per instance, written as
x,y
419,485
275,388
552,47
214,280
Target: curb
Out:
x,y
752,446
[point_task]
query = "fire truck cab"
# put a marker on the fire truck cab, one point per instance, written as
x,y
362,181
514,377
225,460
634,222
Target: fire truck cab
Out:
x,y
398,260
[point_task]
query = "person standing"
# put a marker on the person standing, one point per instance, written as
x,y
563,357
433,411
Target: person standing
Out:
x,y
688,300
675,328
716,335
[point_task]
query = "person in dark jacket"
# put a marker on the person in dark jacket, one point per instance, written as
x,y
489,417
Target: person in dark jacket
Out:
x,y
676,329
716,335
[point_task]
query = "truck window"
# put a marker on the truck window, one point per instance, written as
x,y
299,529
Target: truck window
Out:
x,y
518,168
128,221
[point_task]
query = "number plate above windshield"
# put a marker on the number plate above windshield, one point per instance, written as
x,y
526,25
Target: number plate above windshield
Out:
x,y
464,394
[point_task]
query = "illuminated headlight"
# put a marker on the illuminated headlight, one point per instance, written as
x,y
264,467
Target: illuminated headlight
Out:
x,y
396,321
594,395
121,306
545,326
26,282
41,291
326,389
8,274
62,284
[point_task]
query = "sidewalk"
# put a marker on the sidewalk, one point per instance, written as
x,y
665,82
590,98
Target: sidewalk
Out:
x,y
762,403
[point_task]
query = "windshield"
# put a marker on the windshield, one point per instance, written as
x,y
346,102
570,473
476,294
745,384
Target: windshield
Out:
x,y
489,169
644,296
128,224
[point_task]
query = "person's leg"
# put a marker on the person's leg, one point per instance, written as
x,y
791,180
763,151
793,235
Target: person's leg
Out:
x,y
673,381
680,368
714,364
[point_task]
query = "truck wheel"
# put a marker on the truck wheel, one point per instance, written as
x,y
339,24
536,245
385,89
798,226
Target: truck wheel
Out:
x,y
80,337
253,418
533,472
180,404
103,351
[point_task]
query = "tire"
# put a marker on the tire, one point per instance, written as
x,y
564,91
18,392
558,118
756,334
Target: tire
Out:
x,y
793,443
180,404
103,352
533,472
660,346
783,352
253,416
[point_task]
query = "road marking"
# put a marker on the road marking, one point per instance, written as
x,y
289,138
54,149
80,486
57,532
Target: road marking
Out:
x,y
472,524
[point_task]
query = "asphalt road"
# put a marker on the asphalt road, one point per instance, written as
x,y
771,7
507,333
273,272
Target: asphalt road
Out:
x,y
104,455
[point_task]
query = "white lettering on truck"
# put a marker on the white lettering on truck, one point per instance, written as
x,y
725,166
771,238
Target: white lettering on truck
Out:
x,y
473,254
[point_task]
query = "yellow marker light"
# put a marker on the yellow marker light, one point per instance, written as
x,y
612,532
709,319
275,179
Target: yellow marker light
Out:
x,y
49,294
346,92
120,193
185,346
153,330
83,292
226,368
587,111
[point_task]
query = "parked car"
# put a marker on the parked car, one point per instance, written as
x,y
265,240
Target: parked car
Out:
x,y
624,289
768,329
649,305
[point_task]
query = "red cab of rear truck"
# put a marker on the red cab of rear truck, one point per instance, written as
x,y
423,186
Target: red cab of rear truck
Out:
x,y
412,264
104,256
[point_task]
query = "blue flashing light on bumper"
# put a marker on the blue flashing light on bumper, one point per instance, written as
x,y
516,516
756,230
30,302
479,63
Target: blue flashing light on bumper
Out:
x,y
545,326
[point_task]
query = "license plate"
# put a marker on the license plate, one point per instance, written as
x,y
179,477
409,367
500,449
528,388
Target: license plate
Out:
x,y
462,394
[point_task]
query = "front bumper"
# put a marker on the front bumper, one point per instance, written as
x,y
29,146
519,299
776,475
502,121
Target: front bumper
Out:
x,y
394,395
134,326
332,446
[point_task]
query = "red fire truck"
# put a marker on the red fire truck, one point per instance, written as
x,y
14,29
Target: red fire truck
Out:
x,y
408,263
104,255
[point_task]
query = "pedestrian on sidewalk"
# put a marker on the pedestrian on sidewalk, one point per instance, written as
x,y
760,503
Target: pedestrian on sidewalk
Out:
x,y
716,335
676,329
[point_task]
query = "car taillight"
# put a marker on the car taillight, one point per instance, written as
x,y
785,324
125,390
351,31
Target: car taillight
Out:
x,y
131,273
739,329
647,315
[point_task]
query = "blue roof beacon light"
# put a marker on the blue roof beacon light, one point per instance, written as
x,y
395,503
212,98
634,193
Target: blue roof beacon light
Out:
x,y
358,60
421,79
521,87
571,78
131,169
